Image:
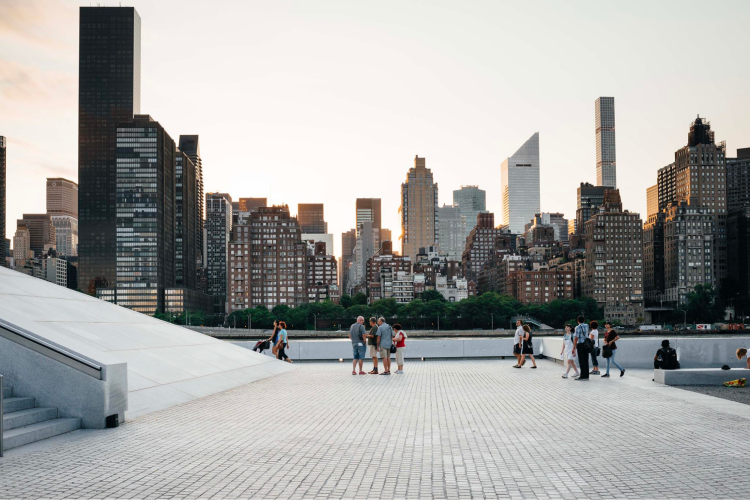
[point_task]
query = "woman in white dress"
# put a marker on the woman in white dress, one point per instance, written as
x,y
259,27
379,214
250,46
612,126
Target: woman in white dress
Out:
x,y
567,351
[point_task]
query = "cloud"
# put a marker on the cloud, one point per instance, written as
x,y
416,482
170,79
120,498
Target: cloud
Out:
x,y
37,22
19,82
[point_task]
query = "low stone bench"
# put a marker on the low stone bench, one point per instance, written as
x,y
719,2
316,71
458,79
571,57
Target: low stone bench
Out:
x,y
699,376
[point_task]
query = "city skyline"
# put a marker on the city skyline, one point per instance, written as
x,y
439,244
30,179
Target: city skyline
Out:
x,y
465,138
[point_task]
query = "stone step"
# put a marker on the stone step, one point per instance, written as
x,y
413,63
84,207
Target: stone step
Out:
x,y
23,418
41,430
16,404
7,391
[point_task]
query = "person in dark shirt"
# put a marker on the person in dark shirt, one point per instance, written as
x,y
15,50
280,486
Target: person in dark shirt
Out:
x,y
372,345
666,357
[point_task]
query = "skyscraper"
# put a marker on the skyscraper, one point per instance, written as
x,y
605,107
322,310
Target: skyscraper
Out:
x,y
452,229
606,157
588,201
218,234
62,197
368,209
348,244
109,92
311,218
145,214
186,228
520,185
652,200
419,210
3,250
470,200
41,231
190,145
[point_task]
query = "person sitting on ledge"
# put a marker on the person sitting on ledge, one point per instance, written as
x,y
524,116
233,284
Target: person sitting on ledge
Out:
x,y
742,353
666,357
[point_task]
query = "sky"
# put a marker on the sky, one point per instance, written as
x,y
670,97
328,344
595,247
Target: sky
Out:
x,y
327,101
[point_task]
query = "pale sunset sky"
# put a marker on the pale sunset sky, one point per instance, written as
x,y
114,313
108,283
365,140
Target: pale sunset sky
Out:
x,y
327,101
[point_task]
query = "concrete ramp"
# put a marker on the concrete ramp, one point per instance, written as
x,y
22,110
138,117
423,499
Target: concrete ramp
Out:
x,y
166,364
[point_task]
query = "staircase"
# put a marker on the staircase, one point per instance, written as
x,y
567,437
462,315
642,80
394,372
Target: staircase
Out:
x,y
24,423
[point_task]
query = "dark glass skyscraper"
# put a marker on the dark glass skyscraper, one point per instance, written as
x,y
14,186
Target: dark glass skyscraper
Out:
x,y
191,147
3,249
109,92
186,230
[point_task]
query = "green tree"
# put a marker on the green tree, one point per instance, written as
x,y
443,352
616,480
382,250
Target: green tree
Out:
x,y
702,305
346,301
429,295
360,299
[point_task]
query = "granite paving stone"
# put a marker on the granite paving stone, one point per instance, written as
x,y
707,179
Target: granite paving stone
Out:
x,y
445,429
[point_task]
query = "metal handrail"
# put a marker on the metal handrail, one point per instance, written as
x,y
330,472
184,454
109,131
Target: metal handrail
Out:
x,y
26,339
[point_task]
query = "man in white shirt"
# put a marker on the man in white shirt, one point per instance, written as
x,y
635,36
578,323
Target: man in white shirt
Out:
x,y
516,341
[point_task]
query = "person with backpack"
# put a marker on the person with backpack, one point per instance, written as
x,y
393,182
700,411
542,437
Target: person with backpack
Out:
x,y
527,348
356,335
580,346
666,357
610,348
400,340
372,344
385,341
567,351
594,336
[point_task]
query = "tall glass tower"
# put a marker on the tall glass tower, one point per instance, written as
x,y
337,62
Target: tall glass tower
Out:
x,y
520,185
470,201
109,92
606,159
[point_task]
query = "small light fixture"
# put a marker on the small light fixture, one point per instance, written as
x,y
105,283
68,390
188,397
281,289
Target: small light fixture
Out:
x,y
341,360
422,359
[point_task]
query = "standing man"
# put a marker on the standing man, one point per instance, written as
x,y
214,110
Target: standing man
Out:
x,y
385,340
579,345
372,344
517,342
357,336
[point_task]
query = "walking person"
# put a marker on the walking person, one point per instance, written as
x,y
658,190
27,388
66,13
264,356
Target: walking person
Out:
x,y
579,346
400,340
385,341
594,335
357,336
609,342
372,345
567,351
271,340
527,348
283,343
517,343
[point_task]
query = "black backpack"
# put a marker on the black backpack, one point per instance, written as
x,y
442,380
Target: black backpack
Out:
x,y
668,359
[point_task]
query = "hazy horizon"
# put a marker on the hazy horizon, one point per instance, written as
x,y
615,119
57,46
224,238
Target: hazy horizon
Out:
x,y
325,102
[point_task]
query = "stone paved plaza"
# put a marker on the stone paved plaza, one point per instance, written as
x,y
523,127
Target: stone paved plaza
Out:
x,y
445,429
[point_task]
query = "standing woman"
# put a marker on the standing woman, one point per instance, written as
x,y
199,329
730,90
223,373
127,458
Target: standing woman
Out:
x,y
609,341
594,335
567,350
283,343
527,348
400,339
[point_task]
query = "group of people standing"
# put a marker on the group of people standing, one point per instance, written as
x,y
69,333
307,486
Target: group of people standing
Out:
x,y
582,342
382,340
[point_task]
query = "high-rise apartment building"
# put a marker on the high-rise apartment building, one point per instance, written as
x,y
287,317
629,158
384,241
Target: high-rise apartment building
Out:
x,y
62,197
519,185
452,231
41,232
688,250
186,230
738,180
3,159
66,235
606,157
614,260
311,218
322,282
145,215
22,245
698,176
419,209
190,145
482,245
588,201
278,258
109,92
652,200
653,259
238,269
470,200
348,244
218,234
